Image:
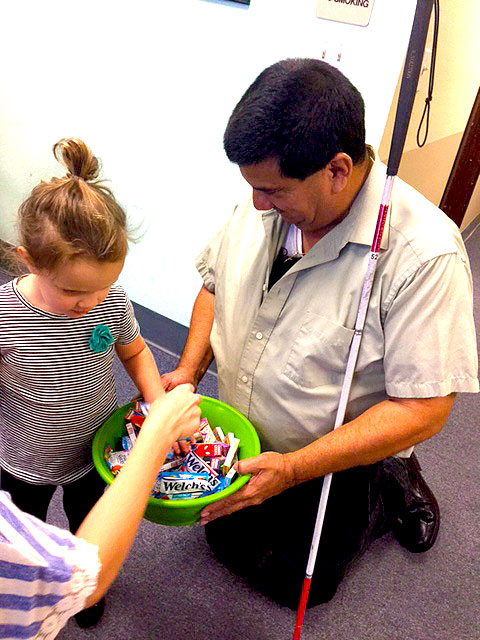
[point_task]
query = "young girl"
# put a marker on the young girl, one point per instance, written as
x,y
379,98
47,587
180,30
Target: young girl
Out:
x,y
60,327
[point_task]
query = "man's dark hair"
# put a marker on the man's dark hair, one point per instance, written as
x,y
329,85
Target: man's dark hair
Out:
x,y
301,112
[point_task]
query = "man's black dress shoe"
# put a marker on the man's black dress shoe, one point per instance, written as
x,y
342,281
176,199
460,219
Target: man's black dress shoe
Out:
x,y
412,507
89,617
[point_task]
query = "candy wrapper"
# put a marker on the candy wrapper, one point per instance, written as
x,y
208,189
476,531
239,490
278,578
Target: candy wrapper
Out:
x,y
173,464
206,469
219,435
131,432
232,451
127,443
182,482
116,460
135,417
210,449
230,476
192,463
140,406
206,432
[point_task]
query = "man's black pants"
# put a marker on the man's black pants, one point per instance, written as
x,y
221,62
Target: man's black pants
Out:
x,y
269,544
78,496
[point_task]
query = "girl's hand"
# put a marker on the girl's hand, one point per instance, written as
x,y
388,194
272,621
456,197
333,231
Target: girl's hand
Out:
x,y
177,410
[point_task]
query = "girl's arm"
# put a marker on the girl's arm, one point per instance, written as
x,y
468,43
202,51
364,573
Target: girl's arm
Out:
x,y
112,523
140,365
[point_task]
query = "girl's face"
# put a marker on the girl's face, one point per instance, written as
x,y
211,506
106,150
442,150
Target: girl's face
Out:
x,y
76,287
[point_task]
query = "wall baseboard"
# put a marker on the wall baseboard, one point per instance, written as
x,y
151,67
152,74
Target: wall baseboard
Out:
x,y
161,331
468,232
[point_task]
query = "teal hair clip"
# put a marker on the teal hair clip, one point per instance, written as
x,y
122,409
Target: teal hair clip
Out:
x,y
100,339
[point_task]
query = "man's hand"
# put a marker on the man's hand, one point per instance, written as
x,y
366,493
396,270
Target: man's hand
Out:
x,y
178,376
271,472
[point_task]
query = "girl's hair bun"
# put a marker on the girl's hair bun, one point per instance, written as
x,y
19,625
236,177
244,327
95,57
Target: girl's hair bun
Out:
x,y
76,215
77,158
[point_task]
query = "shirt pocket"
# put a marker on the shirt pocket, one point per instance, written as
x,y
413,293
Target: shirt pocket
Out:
x,y
319,352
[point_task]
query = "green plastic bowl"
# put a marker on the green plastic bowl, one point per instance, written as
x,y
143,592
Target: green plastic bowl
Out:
x,y
180,512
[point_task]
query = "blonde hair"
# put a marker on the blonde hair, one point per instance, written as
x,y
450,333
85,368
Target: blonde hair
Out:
x,y
73,216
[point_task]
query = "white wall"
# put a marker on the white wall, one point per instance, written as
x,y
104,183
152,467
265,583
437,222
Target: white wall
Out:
x,y
149,85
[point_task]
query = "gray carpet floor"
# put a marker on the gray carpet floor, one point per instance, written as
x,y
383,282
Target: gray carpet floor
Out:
x,y
172,587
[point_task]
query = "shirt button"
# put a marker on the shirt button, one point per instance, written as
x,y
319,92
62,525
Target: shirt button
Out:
x,y
259,335
244,379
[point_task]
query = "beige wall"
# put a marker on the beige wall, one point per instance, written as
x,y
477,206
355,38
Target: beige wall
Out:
x,y
457,76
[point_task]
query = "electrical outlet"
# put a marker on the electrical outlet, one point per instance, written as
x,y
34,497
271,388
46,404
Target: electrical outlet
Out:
x,y
332,53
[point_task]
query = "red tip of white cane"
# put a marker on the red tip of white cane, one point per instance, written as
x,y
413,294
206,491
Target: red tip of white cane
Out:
x,y
301,608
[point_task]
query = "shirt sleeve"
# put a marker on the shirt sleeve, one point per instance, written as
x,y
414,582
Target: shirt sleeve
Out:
x,y
430,344
129,328
46,574
205,262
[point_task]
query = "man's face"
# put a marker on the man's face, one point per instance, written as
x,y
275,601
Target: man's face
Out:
x,y
308,204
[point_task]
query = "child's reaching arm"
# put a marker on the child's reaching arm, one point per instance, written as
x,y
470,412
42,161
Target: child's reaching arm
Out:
x,y
140,365
78,572
113,521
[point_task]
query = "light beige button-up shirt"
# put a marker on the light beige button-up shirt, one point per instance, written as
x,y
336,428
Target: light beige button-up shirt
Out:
x,y
281,354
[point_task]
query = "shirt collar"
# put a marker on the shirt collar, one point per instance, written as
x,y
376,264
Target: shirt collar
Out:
x,y
363,213
357,227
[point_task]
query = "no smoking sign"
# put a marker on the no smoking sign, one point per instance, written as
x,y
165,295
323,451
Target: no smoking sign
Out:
x,y
350,11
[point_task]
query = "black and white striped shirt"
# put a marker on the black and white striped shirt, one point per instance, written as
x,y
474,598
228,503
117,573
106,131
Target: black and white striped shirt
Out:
x,y
54,390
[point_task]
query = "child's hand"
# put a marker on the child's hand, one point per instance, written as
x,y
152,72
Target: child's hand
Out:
x,y
182,448
178,410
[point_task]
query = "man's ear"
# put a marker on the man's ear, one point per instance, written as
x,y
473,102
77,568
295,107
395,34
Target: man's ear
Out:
x,y
340,167
24,257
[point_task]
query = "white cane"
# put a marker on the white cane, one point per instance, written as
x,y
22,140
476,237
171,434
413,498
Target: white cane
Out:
x,y
406,97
